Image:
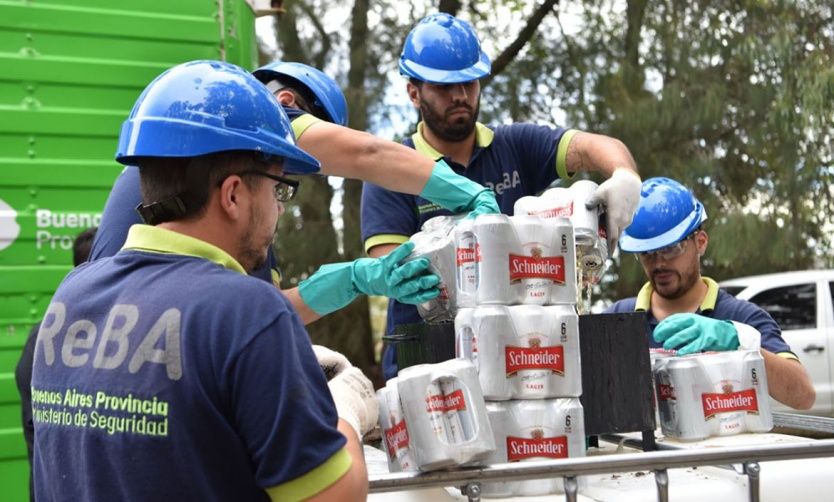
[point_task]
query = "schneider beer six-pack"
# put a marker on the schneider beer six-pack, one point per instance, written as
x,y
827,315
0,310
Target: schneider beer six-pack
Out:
x,y
711,394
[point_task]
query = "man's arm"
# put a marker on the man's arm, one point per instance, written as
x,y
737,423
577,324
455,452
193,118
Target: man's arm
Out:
x,y
620,193
597,153
788,381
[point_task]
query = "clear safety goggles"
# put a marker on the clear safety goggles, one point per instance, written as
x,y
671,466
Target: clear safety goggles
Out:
x,y
669,252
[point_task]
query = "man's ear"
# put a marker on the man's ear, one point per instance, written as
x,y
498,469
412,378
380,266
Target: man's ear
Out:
x,y
413,94
286,98
230,196
702,239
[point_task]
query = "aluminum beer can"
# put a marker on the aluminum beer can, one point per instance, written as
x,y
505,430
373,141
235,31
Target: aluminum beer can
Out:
x,y
446,414
439,248
467,263
546,267
533,431
523,351
684,382
496,241
395,439
754,377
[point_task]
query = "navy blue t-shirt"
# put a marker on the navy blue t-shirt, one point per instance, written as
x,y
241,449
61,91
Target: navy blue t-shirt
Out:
x,y
161,376
513,160
718,304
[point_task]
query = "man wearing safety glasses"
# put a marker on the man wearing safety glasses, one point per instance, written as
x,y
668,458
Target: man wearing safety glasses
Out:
x,y
688,312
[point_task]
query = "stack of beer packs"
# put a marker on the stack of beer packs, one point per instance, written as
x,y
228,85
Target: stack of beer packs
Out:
x,y
711,394
510,285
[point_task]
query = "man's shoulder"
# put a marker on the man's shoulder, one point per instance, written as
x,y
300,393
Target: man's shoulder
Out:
x,y
624,305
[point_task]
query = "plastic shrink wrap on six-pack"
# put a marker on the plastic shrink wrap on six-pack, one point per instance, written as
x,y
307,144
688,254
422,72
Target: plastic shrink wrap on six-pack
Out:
x,y
435,417
712,394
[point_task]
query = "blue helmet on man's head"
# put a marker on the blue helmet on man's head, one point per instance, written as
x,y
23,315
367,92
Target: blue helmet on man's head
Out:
x,y
443,49
325,93
204,107
667,212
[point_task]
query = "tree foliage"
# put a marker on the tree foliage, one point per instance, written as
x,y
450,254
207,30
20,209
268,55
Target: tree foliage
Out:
x,y
731,97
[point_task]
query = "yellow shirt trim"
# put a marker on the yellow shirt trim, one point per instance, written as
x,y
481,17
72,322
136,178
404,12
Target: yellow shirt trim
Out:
x,y
381,239
302,123
314,481
483,138
562,155
644,297
159,240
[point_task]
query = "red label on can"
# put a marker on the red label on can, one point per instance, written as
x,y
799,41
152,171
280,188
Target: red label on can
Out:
x,y
521,448
468,255
744,400
666,392
396,437
565,211
534,358
454,401
546,267
435,404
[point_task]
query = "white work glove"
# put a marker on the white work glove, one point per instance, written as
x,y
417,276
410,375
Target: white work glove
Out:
x,y
749,337
355,399
332,363
619,194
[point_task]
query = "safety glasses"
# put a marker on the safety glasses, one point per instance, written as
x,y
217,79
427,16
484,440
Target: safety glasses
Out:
x,y
285,188
669,252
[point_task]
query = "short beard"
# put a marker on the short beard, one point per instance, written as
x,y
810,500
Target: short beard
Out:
x,y
455,131
252,256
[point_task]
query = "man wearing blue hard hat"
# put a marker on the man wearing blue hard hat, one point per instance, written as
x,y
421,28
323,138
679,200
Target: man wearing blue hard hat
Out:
x,y
318,112
444,62
688,312
164,372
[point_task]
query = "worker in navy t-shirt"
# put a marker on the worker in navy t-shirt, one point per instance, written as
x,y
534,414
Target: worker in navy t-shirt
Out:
x,y
443,59
164,372
688,312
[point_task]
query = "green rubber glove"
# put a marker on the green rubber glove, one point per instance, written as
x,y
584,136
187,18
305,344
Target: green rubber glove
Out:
x,y
695,333
336,285
457,193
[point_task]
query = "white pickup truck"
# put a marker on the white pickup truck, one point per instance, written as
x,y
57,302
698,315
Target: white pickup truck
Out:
x,y
802,303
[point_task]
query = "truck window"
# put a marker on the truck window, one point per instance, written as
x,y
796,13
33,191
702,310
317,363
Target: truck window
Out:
x,y
792,307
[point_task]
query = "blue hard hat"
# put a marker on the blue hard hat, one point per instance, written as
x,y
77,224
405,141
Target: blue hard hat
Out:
x,y
667,212
443,49
325,91
204,107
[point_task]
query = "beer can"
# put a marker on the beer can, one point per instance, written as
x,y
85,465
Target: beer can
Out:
x,y
496,241
688,382
467,263
533,431
439,248
754,377
395,439
546,267
481,334
431,414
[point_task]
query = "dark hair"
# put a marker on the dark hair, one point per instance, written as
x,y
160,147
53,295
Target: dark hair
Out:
x,y
186,183
82,245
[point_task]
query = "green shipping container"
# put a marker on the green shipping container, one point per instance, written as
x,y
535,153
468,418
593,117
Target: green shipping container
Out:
x,y
70,71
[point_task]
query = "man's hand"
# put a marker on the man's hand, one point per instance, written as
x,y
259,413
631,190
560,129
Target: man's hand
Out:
x,y
457,193
355,400
386,276
332,363
620,195
695,333
336,285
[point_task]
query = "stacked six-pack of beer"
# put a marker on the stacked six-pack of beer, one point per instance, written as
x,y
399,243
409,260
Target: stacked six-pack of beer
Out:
x,y
510,284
